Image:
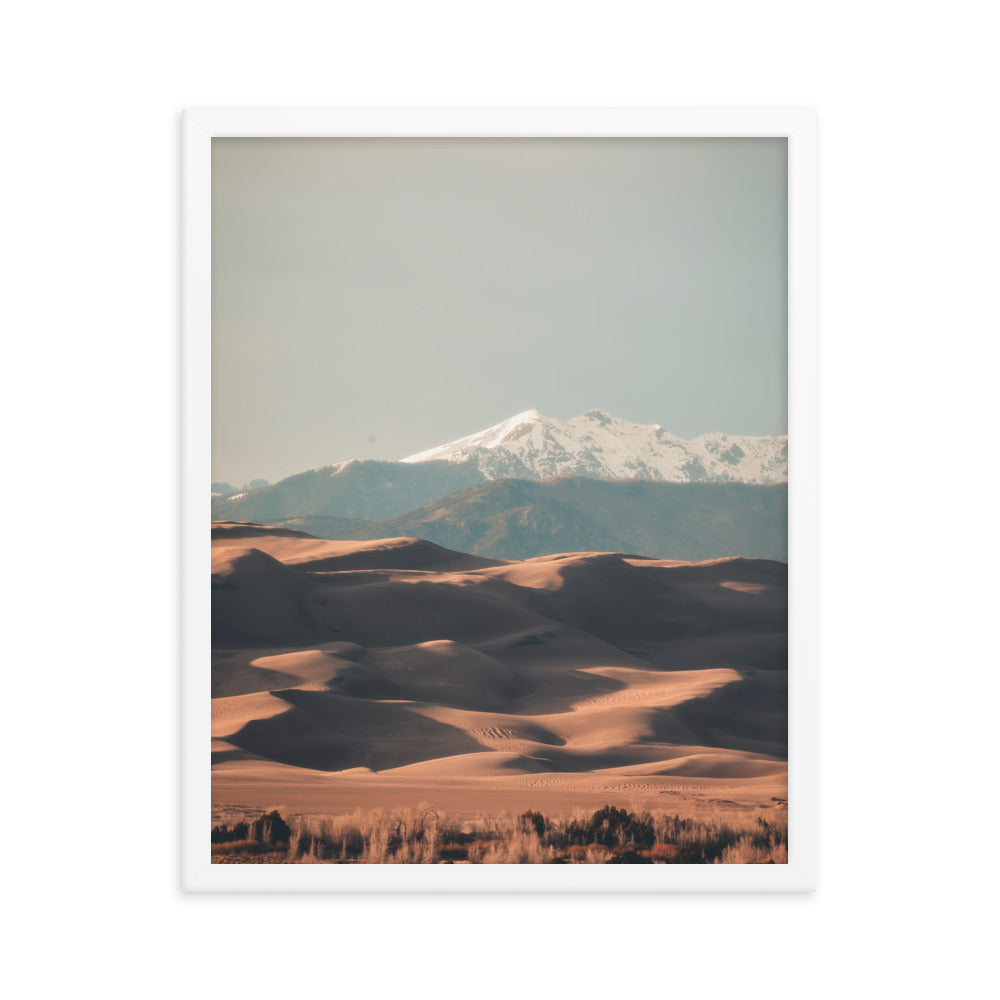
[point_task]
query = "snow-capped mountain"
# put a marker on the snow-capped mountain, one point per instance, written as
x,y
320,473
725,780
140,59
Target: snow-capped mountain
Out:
x,y
600,446
525,447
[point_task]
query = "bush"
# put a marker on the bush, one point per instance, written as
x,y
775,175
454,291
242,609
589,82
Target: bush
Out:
x,y
270,829
223,834
267,829
611,827
532,821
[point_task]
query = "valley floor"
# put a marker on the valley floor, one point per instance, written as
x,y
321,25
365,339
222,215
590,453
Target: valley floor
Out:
x,y
263,785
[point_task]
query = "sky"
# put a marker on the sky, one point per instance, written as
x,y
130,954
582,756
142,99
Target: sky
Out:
x,y
372,298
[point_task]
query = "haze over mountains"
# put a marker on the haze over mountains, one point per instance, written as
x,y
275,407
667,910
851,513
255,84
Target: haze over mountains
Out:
x,y
533,485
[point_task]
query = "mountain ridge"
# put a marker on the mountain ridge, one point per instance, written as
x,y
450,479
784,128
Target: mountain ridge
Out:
x,y
526,446
598,445
523,519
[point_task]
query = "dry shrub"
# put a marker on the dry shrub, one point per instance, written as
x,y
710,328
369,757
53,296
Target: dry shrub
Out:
x,y
522,847
380,837
747,851
664,852
711,834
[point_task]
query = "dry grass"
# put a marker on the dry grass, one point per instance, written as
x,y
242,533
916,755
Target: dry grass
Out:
x,y
716,834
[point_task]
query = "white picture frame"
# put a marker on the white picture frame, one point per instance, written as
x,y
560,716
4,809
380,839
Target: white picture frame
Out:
x,y
199,127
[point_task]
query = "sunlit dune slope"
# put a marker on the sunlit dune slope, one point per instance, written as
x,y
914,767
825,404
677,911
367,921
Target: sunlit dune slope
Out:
x,y
342,667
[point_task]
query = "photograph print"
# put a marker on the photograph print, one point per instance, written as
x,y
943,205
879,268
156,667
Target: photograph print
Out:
x,y
499,510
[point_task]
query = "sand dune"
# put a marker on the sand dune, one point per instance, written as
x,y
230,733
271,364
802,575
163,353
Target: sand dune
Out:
x,y
365,673
303,551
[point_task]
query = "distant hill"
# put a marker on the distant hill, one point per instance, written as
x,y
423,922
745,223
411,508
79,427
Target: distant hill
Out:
x,y
373,490
521,519
228,490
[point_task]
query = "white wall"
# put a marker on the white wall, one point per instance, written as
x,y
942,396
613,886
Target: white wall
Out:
x,y
909,326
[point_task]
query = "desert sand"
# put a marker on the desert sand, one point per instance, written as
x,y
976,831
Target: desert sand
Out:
x,y
381,674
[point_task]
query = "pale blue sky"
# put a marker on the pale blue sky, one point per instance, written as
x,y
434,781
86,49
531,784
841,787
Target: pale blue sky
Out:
x,y
376,297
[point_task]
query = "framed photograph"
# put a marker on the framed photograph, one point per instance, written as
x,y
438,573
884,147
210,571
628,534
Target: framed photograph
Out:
x,y
499,500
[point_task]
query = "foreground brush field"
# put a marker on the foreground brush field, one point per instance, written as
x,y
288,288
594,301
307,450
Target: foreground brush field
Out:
x,y
370,677
427,836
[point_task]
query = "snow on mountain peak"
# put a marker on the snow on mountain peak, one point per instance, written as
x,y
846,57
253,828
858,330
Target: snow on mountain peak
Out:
x,y
598,445
526,417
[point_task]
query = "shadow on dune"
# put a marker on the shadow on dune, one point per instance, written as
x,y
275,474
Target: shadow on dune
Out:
x,y
458,634
749,715
622,601
739,650
328,732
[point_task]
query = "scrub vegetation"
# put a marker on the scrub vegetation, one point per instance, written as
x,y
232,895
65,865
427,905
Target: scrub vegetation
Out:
x,y
423,835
